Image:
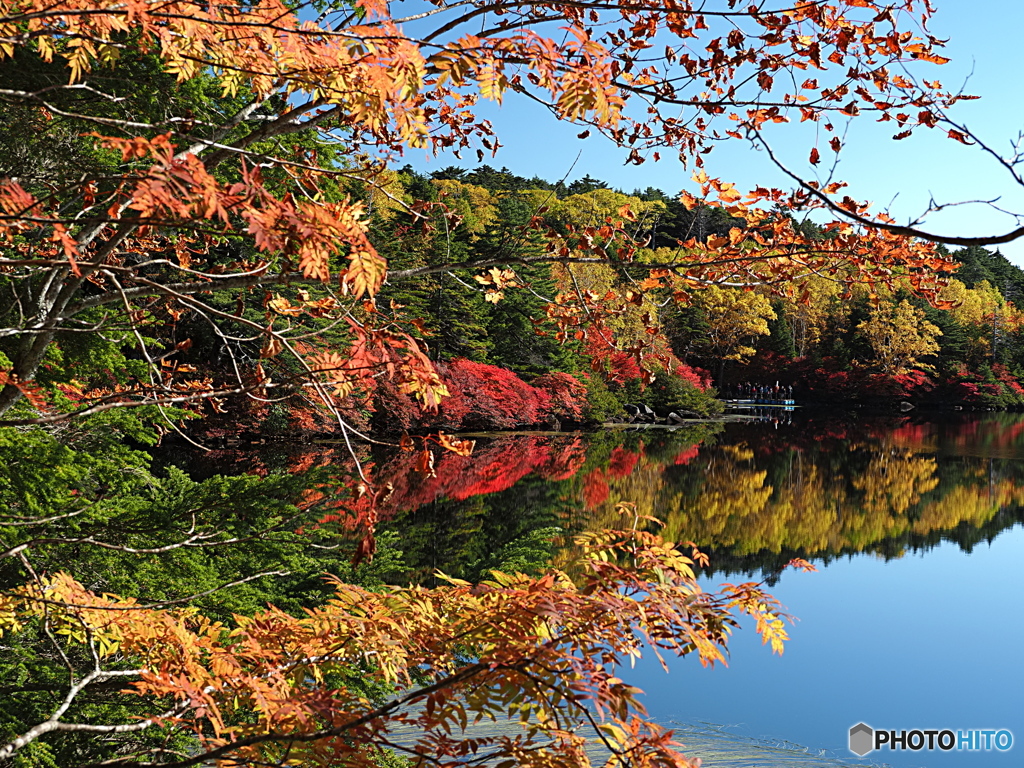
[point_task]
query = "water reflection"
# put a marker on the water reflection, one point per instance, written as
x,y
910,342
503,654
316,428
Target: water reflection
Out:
x,y
834,488
884,638
887,639
754,495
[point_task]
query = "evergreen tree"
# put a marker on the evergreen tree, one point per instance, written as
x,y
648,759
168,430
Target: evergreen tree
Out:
x,y
651,194
780,339
953,342
518,341
981,264
448,307
586,184
497,181
678,223
452,172
975,266
684,326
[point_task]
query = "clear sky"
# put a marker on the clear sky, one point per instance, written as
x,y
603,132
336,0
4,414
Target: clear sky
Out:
x,y
987,51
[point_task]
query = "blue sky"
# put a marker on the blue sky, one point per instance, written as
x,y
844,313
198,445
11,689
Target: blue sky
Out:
x,y
987,52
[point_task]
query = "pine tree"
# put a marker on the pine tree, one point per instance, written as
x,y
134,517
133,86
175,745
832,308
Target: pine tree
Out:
x,y
448,308
518,341
780,339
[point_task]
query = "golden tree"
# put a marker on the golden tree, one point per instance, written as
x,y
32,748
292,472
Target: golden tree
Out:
x,y
899,336
980,310
734,319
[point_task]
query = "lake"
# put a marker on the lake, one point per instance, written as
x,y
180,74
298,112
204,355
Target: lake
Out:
x,y
913,621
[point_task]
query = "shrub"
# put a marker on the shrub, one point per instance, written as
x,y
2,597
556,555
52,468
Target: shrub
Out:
x,y
567,396
684,391
602,404
488,397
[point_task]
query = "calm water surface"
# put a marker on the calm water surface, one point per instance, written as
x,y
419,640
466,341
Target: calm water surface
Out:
x,y
914,619
931,640
910,633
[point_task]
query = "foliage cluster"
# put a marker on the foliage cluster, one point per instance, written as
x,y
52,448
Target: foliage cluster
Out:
x,y
484,397
276,687
876,346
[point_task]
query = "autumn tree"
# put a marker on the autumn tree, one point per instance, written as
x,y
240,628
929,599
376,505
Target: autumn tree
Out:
x,y
276,688
808,311
899,336
980,310
734,319
244,177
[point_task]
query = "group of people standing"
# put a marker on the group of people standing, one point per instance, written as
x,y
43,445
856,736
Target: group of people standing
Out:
x,y
747,391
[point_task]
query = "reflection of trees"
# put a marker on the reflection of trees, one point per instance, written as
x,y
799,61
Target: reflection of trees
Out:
x,y
754,500
894,482
499,508
519,499
745,506
508,530
759,499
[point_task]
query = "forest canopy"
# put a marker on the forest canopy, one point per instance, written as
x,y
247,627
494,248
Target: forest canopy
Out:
x,y
201,158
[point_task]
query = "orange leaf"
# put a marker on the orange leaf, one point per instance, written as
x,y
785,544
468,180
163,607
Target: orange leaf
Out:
x,y
455,444
425,463
365,273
